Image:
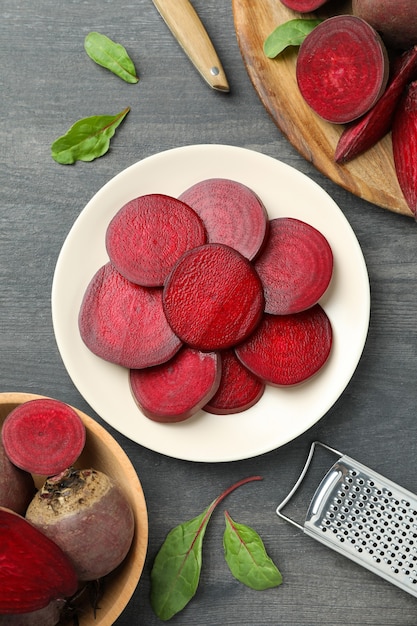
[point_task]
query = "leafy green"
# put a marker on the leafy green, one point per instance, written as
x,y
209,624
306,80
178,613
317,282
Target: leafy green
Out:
x,y
110,55
87,139
246,557
291,33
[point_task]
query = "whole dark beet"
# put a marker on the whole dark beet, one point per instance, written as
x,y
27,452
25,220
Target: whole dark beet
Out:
x,y
48,616
16,486
86,514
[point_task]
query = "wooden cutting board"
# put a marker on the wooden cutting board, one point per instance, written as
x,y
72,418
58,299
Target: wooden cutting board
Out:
x,y
370,176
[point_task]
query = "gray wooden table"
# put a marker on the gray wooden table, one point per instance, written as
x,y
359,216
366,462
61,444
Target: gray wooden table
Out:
x,y
47,82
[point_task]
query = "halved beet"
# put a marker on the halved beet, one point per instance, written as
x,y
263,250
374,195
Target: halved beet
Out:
x,y
303,6
288,349
295,267
149,234
176,390
124,323
231,212
34,570
239,389
342,68
213,297
43,436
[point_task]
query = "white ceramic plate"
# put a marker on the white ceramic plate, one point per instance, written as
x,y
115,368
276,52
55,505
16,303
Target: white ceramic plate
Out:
x,y
283,413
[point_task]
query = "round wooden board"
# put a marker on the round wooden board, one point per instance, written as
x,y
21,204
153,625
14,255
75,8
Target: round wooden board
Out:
x,y
370,176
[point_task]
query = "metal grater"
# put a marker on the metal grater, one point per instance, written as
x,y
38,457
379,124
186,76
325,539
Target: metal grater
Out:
x,y
365,516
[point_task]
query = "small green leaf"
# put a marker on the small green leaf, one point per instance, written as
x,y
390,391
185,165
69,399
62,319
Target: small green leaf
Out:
x,y
110,55
87,139
246,557
291,33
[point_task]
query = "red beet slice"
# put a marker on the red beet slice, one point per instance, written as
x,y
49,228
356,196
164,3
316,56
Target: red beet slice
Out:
x,y
239,389
404,145
342,68
303,6
213,297
34,570
231,212
288,349
43,436
149,234
364,133
176,390
125,323
295,267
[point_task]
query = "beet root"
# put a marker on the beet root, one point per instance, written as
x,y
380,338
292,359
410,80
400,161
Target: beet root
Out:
x,y
125,323
231,212
149,234
396,21
404,145
288,349
49,615
34,570
295,267
342,68
176,390
43,436
17,487
213,297
304,6
87,515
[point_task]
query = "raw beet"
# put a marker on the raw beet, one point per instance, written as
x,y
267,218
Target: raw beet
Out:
x,y
231,212
125,323
404,145
88,516
295,267
396,20
149,234
288,349
213,297
176,390
303,6
239,389
342,68
43,436
17,487
34,570
49,615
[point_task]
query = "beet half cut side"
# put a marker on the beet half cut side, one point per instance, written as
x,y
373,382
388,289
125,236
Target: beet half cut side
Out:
x,y
303,6
213,297
295,267
124,323
176,390
231,212
149,234
43,436
34,570
404,146
239,389
342,68
288,349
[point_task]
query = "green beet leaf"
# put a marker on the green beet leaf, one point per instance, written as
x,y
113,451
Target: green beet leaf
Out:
x,y
111,55
87,139
246,557
291,33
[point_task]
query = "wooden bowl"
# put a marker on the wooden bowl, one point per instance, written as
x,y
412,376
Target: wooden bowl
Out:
x,y
103,453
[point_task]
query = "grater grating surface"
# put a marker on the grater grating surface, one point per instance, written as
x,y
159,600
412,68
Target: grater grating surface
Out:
x,y
366,517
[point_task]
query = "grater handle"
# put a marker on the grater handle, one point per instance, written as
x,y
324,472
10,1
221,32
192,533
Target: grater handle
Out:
x,y
300,480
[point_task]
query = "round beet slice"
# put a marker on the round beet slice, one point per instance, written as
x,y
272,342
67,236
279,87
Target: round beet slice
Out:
x,y
239,389
43,436
213,297
149,234
288,349
174,391
295,267
231,212
342,68
124,323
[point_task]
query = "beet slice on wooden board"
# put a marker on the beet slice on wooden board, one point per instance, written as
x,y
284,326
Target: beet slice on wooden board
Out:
x,y
363,134
342,68
213,297
295,267
404,145
43,436
34,570
176,390
231,212
149,234
303,6
124,323
288,349
239,389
